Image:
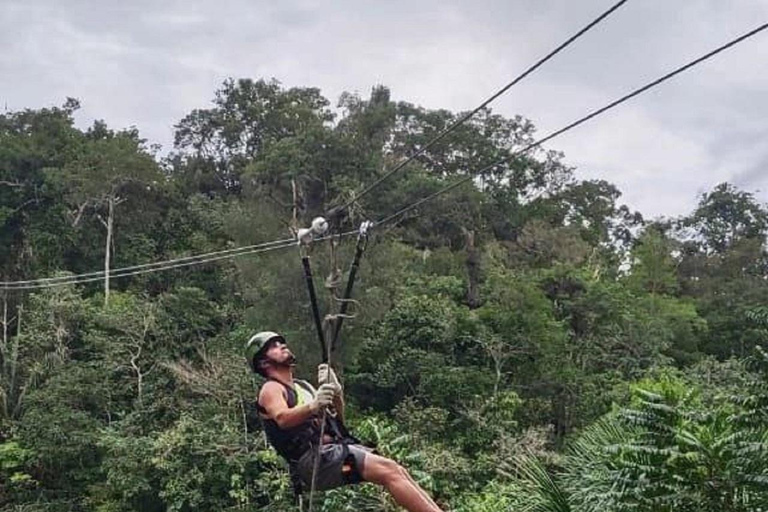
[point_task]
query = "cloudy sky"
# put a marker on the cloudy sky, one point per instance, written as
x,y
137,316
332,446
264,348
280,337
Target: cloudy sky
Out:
x,y
147,63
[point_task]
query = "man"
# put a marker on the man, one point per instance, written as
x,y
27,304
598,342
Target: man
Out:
x,y
291,410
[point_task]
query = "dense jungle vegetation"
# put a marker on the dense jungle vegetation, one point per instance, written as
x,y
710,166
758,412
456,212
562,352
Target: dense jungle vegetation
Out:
x,y
525,342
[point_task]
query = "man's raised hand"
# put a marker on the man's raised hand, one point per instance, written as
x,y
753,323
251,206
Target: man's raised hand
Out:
x,y
323,397
326,375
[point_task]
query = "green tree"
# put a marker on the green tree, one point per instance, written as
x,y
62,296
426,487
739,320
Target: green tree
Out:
x,y
98,180
654,269
248,117
34,234
48,330
725,216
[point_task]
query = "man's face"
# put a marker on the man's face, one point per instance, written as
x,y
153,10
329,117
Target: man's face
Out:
x,y
279,353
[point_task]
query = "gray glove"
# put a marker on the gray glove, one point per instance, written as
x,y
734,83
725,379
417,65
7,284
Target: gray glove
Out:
x,y
326,375
323,397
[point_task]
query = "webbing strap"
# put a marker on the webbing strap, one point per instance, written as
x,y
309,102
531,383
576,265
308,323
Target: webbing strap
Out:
x,y
313,303
362,243
326,348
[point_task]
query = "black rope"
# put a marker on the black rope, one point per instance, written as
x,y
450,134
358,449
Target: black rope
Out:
x,y
318,454
313,303
362,242
326,357
576,123
468,116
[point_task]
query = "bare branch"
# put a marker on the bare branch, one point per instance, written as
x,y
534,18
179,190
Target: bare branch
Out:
x,y
24,204
101,219
79,214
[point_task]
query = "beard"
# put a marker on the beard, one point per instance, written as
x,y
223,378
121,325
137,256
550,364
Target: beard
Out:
x,y
289,361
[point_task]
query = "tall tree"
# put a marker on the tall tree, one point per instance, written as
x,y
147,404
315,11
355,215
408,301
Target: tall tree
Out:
x,y
248,116
32,226
654,269
725,216
97,180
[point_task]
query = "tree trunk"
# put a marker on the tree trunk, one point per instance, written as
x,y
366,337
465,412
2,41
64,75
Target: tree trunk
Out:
x,y
12,399
561,420
473,270
108,251
3,362
139,376
4,345
297,206
244,417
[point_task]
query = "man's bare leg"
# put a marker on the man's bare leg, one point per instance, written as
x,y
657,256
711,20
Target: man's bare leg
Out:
x,y
398,482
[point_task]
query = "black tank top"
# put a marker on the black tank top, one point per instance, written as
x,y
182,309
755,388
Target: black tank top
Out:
x,y
291,443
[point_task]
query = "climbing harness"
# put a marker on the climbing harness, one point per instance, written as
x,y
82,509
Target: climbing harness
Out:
x,y
328,329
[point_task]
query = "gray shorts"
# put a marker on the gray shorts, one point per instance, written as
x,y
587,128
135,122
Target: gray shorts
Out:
x,y
339,465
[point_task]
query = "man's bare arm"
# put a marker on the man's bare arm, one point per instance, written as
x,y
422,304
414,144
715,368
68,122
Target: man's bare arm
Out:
x,y
273,401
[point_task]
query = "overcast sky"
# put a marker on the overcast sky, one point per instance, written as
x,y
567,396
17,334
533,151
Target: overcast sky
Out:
x,y
147,63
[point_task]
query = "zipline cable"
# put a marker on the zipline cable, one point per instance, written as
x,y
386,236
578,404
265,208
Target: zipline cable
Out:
x,y
79,280
578,122
280,244
101,273
484,104
200,259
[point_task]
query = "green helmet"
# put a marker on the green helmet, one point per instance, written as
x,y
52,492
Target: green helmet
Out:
x,y
257,343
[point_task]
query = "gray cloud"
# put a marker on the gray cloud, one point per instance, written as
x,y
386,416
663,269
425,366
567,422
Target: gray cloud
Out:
x,y
148,63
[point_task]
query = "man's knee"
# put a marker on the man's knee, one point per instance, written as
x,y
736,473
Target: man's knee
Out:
x,y
394,471
385,471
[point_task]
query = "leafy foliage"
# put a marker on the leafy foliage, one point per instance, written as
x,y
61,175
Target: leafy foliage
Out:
x,y
524,342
